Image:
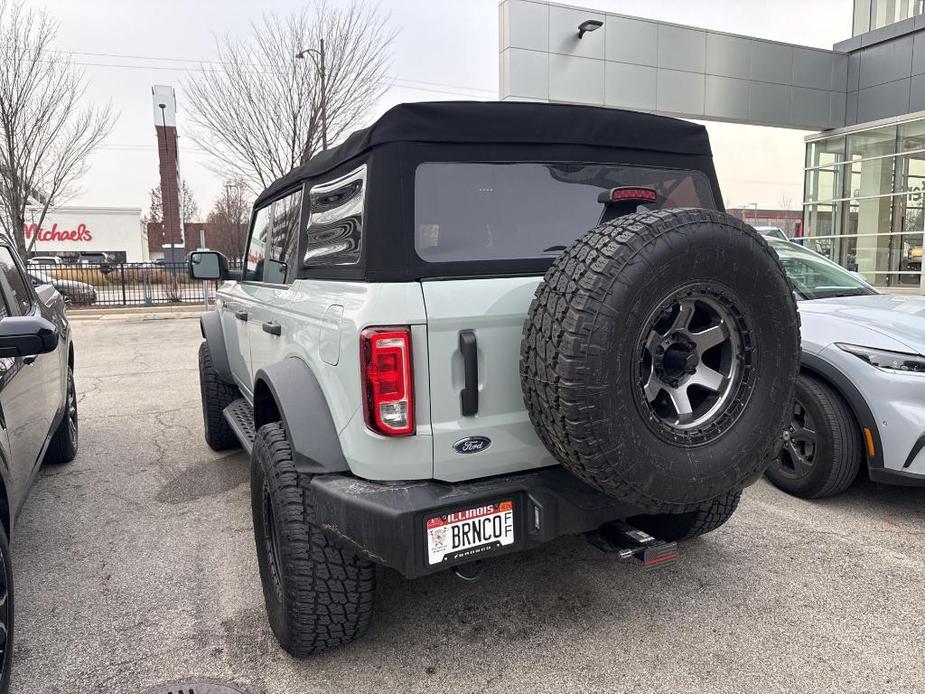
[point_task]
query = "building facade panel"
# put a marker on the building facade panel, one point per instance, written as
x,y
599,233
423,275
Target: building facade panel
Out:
x,y
728,56
575,79
727,97
630,40
680,48
630,86
563,33
680,92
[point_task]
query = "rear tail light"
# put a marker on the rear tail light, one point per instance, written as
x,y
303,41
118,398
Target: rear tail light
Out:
x,y
389,394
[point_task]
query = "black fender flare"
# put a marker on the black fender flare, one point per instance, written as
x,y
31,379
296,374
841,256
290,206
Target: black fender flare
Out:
x,y
210,325
819,367
288,391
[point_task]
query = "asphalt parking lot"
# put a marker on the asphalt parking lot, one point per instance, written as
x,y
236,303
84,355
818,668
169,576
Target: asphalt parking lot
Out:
x,y
135,565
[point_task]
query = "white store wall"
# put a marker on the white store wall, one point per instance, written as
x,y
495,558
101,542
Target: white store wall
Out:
x,y
89,229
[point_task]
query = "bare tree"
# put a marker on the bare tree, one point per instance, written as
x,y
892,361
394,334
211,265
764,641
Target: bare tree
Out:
x,y
46,135
258,112
230,216
785,202
189,208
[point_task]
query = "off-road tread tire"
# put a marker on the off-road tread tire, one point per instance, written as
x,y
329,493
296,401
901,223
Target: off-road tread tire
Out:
x,y
216,396
677,527
62,448
556,337
844,461
327,591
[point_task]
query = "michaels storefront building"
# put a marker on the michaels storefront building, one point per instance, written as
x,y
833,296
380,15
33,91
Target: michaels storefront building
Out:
x,y
864,192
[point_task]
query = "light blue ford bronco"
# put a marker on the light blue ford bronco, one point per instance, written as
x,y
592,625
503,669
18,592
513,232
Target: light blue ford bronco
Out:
x,y
475,327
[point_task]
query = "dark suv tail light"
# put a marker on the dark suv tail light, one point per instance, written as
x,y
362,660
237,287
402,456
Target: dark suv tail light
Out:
x,y
385,355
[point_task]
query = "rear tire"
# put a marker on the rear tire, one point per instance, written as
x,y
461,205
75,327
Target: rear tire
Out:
x,y
675,527
216,396
318,595
63,446
822,444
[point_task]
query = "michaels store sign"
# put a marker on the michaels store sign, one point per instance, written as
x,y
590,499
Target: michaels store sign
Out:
x,y
117,231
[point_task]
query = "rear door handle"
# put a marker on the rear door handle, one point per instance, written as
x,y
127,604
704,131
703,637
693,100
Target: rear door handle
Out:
x,y
469,395
241,315
272,327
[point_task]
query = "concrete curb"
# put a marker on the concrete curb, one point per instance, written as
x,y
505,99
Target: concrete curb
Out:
x,y
140,312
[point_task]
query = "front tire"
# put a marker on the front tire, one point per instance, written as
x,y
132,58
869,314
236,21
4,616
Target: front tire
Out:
x,y
318,595
216,396
822,444
63,445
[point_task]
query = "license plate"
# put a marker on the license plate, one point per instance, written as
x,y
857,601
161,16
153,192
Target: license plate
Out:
x,y
469,533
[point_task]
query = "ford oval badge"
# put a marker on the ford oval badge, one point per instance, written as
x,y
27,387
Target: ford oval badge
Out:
x,y
472,444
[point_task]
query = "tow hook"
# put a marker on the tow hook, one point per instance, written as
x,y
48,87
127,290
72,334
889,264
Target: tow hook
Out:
x,y
631,543
470,573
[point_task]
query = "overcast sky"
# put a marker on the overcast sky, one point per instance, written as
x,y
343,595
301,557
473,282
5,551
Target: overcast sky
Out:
x,y
445,49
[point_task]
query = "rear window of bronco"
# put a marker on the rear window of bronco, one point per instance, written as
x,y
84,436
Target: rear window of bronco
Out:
x,y
501,211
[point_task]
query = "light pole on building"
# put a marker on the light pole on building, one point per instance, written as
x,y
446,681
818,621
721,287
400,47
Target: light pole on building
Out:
x,y
317,56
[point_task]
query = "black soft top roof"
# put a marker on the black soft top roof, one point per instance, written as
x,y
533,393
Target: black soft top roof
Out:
x,y
508,122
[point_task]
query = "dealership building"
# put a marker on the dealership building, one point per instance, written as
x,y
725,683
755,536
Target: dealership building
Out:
x,y
864,184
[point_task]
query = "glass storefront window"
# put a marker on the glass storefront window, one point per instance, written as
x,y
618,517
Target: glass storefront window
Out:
x,y
885,12
910,175
912,136
872,143
820,220
825,152
868,212
823,184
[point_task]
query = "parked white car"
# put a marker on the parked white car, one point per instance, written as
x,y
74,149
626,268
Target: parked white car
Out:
x,y
45,260
860,398
772,232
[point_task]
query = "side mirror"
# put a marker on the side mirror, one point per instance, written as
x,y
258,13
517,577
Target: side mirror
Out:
x,y
207,265
26,336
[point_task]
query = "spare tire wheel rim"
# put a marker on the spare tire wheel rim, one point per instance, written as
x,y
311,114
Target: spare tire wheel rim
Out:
x,y
696,357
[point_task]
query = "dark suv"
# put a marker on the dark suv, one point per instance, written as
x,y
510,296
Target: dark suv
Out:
x,y
38,407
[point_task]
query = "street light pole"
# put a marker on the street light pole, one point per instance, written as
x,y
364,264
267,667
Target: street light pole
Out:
x,y
318,58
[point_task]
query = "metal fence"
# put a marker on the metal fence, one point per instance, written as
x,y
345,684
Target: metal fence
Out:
x,y
123,284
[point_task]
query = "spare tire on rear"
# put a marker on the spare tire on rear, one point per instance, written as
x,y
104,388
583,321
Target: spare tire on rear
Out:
x,y
659,357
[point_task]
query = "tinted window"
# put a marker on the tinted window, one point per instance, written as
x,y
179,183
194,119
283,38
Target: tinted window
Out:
x,y
16,283
256,249
283,237
479,211
335,228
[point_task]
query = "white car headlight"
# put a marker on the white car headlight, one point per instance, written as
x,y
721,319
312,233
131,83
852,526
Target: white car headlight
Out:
x,y
892,362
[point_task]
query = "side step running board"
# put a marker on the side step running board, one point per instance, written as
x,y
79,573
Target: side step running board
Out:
x,y
240,417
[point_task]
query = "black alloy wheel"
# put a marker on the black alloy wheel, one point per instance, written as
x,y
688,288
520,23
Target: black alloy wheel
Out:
x,y
799,452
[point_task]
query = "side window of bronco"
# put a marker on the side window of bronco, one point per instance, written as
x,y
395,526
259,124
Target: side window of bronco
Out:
x,y
256,248
335,227
284,233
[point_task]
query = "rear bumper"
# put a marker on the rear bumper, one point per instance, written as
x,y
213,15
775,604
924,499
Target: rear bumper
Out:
x,y
385,522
